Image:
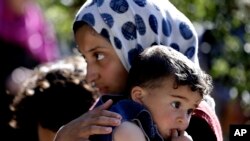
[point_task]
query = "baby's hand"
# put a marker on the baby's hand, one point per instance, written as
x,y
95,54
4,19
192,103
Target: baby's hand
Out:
x,y
182,136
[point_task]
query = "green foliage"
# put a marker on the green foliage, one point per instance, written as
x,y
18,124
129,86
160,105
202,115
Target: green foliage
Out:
x,y
61,13
231,29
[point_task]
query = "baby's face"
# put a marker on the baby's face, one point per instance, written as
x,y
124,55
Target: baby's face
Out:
x,y
171,108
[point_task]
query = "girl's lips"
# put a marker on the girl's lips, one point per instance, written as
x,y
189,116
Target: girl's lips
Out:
x,y
102,90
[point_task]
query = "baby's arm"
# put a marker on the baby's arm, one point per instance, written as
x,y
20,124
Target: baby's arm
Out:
x,y
128,131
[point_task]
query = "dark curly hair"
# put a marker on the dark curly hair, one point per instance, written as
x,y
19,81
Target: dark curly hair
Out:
x,y
53,96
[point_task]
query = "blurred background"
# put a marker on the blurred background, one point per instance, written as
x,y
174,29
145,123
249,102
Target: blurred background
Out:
x,y
223,27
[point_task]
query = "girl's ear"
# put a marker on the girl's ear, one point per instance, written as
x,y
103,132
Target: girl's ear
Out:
x,y
137,94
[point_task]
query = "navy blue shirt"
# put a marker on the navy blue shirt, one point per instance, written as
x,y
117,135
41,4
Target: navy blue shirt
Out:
x,y
133,112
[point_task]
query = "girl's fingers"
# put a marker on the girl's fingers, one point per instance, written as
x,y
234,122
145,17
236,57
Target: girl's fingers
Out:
x,y
105,121
105,106
99,117
92,130
96,121
102,110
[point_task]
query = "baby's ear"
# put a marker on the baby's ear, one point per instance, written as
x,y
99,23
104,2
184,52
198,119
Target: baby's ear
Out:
x,y
137,94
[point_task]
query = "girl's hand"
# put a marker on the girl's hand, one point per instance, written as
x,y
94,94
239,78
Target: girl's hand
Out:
x,y
93,122
183,136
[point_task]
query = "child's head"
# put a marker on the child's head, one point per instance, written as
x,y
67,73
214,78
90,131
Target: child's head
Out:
x,y
169,85
55,95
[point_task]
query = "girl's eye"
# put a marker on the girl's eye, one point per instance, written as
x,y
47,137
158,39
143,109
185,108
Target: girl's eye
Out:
x,y
190,111
176,104
99,56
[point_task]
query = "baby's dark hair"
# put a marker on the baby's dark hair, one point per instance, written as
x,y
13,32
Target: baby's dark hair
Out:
x,y
157,63
52,97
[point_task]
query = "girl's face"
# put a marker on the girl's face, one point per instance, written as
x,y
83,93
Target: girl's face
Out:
x,y
104,67
171,108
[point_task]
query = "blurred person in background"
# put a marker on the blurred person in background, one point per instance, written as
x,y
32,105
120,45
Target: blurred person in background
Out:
x,y
26,39
55,94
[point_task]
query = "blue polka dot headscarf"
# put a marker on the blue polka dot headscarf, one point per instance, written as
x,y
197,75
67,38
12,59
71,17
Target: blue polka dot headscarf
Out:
x,y
133,25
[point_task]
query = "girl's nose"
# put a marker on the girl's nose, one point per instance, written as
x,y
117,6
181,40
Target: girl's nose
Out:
x,y
92,73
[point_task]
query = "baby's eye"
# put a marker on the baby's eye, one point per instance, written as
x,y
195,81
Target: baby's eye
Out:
x,y
190,111
99,56
176,104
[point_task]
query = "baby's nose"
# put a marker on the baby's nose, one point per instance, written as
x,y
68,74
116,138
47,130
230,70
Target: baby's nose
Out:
x,y
183,121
